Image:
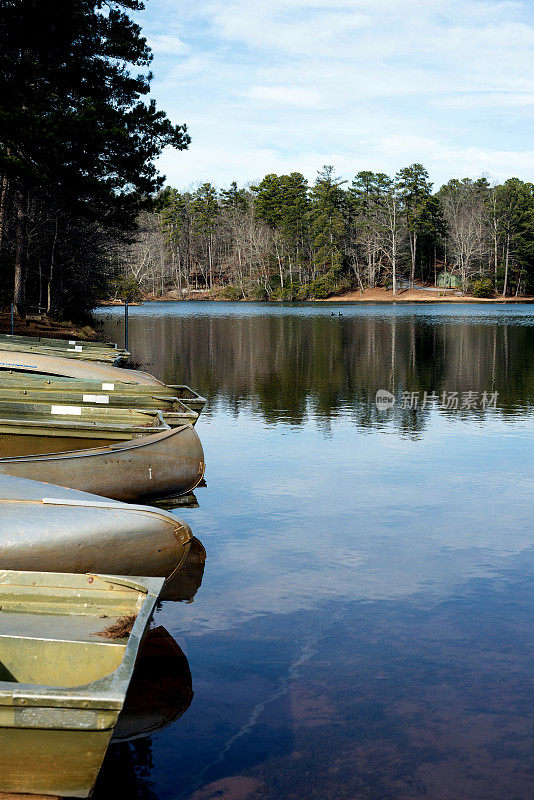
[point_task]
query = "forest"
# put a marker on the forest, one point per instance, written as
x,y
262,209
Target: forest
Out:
x,y
79,137
285,239
85,214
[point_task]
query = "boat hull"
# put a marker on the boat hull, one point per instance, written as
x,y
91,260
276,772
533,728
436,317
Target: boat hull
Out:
x,y
41,364
27,756
178,412
52,528
165,463
62,686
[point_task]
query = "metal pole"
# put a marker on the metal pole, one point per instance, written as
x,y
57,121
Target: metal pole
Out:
x,y
126,324
12,321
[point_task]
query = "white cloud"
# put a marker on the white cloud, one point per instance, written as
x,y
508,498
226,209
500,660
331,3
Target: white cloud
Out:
x,y
285,95
167,44
293,84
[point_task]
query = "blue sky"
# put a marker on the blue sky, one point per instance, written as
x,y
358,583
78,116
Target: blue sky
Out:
x,y
286,85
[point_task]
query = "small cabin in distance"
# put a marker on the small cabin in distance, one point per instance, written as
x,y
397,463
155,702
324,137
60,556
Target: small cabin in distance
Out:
x,y
447,280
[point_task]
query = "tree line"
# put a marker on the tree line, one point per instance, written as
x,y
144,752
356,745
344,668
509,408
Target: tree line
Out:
x,y
78,143
286,239
84,215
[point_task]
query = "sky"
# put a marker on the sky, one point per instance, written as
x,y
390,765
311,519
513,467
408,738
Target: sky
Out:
x,y
286,85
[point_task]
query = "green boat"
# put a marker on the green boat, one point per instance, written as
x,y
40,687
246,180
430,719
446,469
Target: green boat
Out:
x,y
107,356
78,421
129,392
46,364
174,411
48,341
92,351
166,463
68,648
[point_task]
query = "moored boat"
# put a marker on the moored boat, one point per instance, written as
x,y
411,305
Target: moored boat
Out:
x,y
170,462
127,393
78,421
44,364
101,351
178,413
59,342
68,648
50,528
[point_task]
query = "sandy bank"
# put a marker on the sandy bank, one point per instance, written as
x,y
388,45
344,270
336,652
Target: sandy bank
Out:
x,y
382,295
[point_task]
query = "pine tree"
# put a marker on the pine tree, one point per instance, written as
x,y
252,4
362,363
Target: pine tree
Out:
x,y
73,122
328,221
415,191
205,209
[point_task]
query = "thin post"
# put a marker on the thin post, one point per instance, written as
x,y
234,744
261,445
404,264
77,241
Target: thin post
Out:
x,y
12,320
126,324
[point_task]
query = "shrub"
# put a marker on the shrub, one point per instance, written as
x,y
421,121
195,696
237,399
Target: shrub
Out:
x,y
259,293
126,288
483,288
303,293
289,292
328,284
231,293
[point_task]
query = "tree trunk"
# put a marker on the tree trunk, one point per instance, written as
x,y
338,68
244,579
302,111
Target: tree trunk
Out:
x,y
413,248
210,265
506,262
21,203
279,266
52,273
3,202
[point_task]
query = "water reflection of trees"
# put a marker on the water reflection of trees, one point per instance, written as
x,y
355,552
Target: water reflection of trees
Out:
x,y
291,366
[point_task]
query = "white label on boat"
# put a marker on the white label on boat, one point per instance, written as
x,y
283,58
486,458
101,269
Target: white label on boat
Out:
x,y
96,398
75,410
108,387
76,349
73,342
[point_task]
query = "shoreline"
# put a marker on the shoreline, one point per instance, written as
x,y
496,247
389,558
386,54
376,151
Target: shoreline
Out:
x,y
368,296
419,296
40,325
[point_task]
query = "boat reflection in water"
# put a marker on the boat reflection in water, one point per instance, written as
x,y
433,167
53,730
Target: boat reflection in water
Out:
x,y
188,500
183,584
160,692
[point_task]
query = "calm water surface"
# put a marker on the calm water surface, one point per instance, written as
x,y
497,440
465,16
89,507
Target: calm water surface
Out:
x,y
363,630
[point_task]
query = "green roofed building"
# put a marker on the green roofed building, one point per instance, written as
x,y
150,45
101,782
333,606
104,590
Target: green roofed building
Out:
x,y
447,280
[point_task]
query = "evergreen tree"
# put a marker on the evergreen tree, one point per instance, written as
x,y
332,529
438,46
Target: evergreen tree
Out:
x,y
515,212
205,208
328,221
365,200
73,122
415,191
234,198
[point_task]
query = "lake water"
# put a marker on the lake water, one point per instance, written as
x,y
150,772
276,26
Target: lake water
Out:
x,y
364,627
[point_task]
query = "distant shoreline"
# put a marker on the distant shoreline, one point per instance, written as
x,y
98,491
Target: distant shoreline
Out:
x,y
378,296
418,296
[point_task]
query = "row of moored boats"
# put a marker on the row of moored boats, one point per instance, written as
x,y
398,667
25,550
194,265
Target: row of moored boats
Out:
x,y
73,609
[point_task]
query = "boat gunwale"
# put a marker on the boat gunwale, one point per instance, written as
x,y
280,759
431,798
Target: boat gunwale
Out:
x,y
105,504
78,697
